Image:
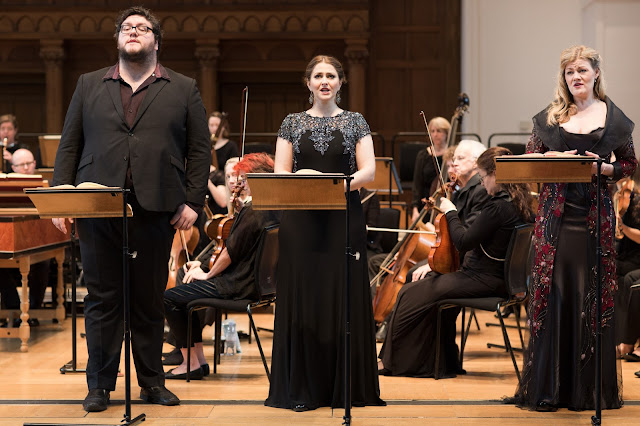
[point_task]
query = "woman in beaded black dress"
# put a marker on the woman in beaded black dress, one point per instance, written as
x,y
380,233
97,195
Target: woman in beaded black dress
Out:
x,y
559,364
308,346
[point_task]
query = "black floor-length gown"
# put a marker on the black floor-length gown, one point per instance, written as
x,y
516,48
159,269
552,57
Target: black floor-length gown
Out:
x,y
308,346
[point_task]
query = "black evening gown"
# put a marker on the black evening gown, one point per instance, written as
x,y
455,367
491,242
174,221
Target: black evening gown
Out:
x,y
308,346
559,365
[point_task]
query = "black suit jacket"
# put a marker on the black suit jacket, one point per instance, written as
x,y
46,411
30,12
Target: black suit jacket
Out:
x,y
167,147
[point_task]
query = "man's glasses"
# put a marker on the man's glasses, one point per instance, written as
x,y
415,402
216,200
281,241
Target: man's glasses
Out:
x,y
24,165
140,29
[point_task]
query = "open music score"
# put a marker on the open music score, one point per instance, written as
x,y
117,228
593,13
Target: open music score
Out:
x,y
537,168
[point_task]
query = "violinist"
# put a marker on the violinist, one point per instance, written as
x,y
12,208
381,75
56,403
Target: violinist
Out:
x,y
409,349
425,173
627,302
231,276
469,196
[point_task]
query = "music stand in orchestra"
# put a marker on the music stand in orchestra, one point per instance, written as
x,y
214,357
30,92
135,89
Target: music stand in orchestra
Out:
x,y
535,168
92,202
386,180
289,191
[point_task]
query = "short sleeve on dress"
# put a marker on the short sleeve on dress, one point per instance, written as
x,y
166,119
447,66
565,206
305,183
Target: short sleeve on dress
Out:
x,y
285,128
361,126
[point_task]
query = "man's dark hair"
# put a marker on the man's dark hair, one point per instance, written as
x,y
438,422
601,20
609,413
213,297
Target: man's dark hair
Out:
x,y
141,11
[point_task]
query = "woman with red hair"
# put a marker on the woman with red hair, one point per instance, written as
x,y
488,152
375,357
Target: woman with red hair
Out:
x,y
231,277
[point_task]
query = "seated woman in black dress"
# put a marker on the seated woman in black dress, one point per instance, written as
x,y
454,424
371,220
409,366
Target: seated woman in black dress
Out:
x,y
409,348
231,277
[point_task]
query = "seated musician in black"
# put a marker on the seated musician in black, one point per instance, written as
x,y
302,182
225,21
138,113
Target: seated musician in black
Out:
x,y
469,197
409,348
231,277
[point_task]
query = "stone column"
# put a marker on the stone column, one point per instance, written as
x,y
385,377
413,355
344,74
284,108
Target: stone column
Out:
x,y
357,55
207,54
52,53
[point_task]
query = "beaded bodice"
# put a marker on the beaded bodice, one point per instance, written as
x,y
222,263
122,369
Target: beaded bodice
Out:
x,y
326,144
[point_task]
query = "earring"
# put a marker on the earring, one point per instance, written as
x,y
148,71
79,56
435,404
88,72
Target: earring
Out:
x,y
311,98
338,98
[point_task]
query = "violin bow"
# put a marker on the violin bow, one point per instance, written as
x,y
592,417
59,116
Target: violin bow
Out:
x,y
243,113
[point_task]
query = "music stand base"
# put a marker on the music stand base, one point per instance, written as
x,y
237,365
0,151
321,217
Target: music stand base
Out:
x,y
595,420
133,421
69,368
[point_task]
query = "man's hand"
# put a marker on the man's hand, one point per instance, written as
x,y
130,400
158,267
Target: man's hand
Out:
x,y
184,218
191,265
194,274
59,222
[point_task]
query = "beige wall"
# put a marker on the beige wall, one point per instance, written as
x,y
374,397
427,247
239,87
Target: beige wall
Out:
x,y
511,50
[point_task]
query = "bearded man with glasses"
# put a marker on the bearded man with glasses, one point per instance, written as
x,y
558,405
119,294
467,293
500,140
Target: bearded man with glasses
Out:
x,y
140,126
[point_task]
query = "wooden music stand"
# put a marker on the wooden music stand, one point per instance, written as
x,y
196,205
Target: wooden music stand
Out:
x,y
94,203
386,180
574,168
325,191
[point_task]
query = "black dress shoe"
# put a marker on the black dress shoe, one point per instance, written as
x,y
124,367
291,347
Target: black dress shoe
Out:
x,y
631,357
300,408
96,400
158,395
196,374
173,358
637,373
384,372
205,369
544,406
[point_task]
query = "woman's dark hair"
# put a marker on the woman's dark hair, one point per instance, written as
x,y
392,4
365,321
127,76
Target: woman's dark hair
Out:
x,y
141,11
519,192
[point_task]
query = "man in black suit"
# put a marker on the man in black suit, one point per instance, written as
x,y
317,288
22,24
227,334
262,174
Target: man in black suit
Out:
x,y
141,126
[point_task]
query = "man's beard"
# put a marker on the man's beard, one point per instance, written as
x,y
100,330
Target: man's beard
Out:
x,y
140,57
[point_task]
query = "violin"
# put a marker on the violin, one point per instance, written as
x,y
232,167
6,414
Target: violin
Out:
x,y
621,200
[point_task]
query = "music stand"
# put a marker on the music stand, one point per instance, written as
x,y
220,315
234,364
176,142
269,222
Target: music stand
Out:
x,y
289,191
386,179
95,203
575,168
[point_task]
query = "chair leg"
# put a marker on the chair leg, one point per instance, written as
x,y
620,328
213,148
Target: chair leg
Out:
x,y
216,340
475,317
189,329
250,321
517,313
507,343
436,374
255,331
465,335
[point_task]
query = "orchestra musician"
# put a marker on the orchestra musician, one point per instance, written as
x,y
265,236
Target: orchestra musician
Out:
x,y
409,348
627,302
141,126
469,197
23,162
9,140
219,129
559,363
232,274
425,175
307,362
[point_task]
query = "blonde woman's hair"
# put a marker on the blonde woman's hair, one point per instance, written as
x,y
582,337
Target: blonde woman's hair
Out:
x,y
440,123
562,107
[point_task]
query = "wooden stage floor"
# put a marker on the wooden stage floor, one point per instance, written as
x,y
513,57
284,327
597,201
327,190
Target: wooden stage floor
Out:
x,y
33,390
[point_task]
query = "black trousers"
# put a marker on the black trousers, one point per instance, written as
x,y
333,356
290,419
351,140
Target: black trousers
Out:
x,y
150,235
176,300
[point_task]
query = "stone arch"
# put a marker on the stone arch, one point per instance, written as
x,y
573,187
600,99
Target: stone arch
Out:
x,y
252,25
46,25
170,24
190,25
87,25
231,25
314,24
273,25
210,24
335,24
25,25
356,24
66,25
293,24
